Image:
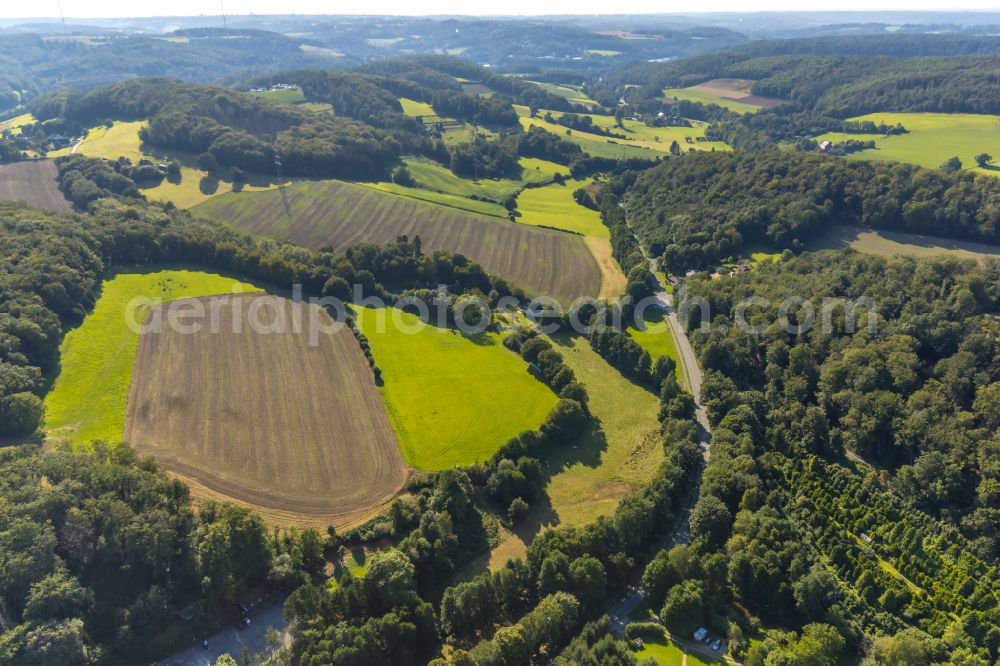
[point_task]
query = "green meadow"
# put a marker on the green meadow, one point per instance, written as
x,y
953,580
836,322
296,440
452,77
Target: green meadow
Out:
x,y
574,94
554,206
442,199
617,457
354,563
642,141
453,399
433,176
414,108
666,653
709,97
17,122
594,144
932,139
88,399
656,138
288,96
654,336
122,140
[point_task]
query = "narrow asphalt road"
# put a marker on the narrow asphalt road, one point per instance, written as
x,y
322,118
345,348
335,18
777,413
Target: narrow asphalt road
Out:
x,y
232,641
680,534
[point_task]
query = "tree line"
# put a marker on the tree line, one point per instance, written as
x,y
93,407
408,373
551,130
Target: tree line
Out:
x,y
704,208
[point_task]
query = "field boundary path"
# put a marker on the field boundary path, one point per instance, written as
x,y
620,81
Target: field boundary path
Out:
x,y
679,534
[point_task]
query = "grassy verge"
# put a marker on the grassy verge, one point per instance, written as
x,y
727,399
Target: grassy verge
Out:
x,y
666,653
655,337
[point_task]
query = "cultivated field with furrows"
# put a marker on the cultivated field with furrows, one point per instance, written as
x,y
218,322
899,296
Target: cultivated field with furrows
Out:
x,y
733,94
34,183
297,431
318,213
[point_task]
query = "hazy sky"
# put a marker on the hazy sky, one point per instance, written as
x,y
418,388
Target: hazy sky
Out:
x,y
128,8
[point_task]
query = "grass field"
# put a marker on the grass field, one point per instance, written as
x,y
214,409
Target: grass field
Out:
x,y
932,139
590,477
88,399
442,199
35,184
574,94
464,134
453,399
122,139
617,458
414,108
316,213
14,124
733,94
594,144
355,563
271,418
655,336
642,135
891,243
554,206
433,176
288,96
667,654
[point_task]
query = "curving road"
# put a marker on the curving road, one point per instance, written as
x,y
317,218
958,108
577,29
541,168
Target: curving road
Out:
x,y
687,360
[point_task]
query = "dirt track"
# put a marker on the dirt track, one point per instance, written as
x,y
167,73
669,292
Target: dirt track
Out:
x,y
298,432
34,183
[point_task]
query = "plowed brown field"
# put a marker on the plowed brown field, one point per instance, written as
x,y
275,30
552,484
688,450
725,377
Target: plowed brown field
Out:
x,y
34,183
296,431
316,213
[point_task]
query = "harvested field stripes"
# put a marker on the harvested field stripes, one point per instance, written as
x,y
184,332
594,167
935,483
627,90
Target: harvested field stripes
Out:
x,y
317,213
296,430
33,183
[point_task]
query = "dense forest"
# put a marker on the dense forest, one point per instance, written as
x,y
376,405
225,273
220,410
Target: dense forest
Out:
x,y
705,207
99,548
851,488
363,140
843,85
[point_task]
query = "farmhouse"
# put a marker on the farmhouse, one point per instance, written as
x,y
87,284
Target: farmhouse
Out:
x,y
58,140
